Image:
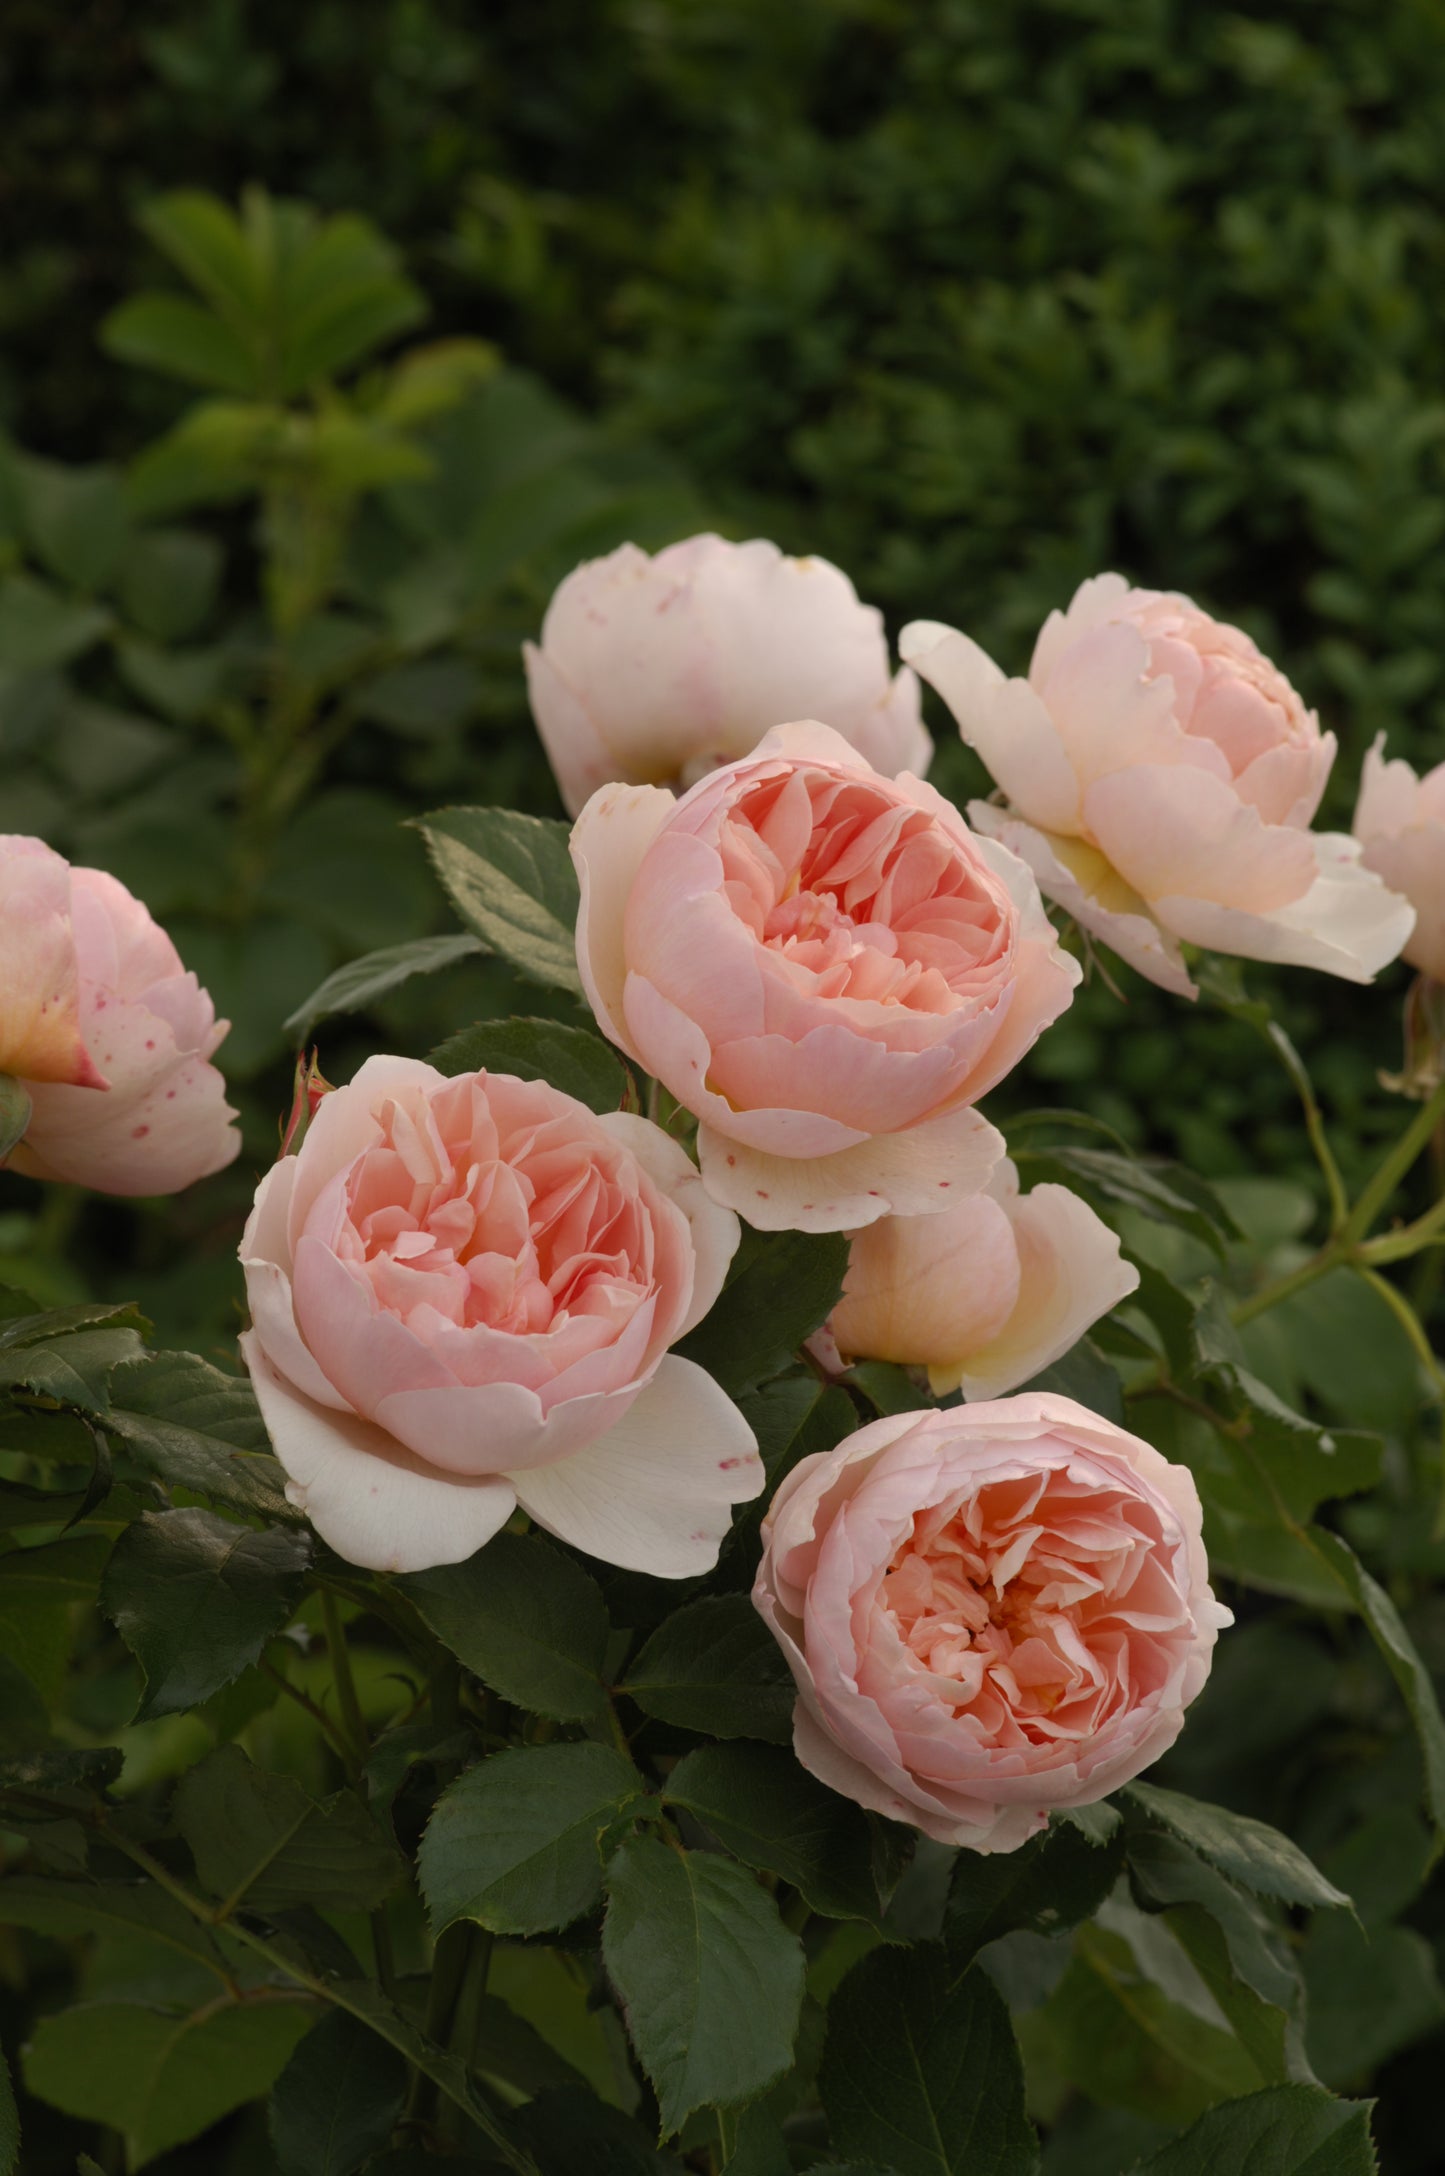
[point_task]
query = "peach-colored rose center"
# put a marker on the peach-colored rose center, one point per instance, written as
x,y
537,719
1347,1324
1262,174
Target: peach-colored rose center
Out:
x,y
458,1219
862,896
1226,689
1036,1600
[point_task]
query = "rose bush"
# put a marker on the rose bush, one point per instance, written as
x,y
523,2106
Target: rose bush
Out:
x,y
1400,824
656,670
988,1613
826,967
985,1295
1160,775
110,1036
462,1297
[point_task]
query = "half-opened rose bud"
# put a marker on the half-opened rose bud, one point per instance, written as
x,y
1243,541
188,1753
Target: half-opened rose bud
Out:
x,y
1160,776
987,1294
989,1612
654,671
1400,824
110,1035
462,1297
826,966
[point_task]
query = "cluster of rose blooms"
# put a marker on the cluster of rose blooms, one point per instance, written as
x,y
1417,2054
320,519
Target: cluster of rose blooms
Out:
x,y
464,1292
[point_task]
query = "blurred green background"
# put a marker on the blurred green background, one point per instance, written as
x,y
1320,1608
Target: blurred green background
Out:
x,y
973,300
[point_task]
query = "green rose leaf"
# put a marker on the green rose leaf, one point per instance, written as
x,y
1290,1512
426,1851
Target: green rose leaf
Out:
x,y
337,2100
1244,1850
14,1113
1048,1884
781,1287
921,2070
711,1981
714,1667
511,880
195,1598
526,1620
263,1844
1288,2130
201,1430
353,987
161,2076
517,1843
572,1059
770,1813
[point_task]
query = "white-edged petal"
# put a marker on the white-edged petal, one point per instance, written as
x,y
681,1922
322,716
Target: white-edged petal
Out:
x,y
1004,720
927,1168
609,839
1070,1274
369,1499
654,1494
1348,923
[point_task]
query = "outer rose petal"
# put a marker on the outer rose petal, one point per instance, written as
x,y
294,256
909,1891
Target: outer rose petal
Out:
x,y
1389,794
715,1230
40,1035
1400,823
1346,924
266,1263
373,1503
1003,719
150,1132
609,839
915,1173
1071,1273
979,1828
655,1493
1173,829
581,760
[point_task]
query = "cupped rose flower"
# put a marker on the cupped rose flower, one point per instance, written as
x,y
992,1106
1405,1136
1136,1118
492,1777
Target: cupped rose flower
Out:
x,y
1161,775
654,671
108,1033
985,1295
826,967
462,1297
1400,824
989,1613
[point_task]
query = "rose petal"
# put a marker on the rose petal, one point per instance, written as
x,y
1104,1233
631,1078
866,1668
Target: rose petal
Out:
x,y
609,839
1347,923
915,1173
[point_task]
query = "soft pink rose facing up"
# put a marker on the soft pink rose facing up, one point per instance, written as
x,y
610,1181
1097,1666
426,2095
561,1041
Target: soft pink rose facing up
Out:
x,y
654,671
1160,777
989,1612
826,967
1400,823
987,1294
462,1297
109,1034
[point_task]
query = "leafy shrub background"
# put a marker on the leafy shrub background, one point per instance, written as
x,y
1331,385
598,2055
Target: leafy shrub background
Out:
x,y
974,300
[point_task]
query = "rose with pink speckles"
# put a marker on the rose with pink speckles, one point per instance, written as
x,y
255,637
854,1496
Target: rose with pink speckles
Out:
x,y
989,1612
110,1035
826,966
462,1295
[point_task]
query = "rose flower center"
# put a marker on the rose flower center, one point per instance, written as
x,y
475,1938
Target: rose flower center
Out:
x,y
863,896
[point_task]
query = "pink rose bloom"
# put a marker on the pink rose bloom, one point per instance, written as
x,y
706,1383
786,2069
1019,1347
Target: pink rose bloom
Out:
x,y
654,671
462,1297
989,1612
986,1295
108,1033
1400,823
826,967
1161,775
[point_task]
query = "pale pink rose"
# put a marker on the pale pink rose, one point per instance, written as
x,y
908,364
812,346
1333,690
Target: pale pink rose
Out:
x,y
989,1612
1160,776
1400,823
462,1297
654,671
826,967
109,1034
986,1295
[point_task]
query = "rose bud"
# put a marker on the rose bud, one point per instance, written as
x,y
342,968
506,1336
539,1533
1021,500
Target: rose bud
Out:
x,y
990,1612
654,671
1400,823
462,1296
109,1035
1160,776
825,966
986,1295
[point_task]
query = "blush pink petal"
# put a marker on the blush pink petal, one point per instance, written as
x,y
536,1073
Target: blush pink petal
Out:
x,y
344,1125
915,1173
1400,823
1070,1274
1178,832
1348,923
656,1493
920,1290
1005,720
609,840
370,1500
1111,717
40,1033
1079,879
714,1229
580,758
266,1263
